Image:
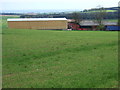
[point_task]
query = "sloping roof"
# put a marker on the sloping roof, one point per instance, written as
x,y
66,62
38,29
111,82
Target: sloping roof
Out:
x,y
91,23
35,19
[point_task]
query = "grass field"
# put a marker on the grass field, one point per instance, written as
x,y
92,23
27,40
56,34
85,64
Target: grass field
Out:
x,y
98,10
111,20
59,59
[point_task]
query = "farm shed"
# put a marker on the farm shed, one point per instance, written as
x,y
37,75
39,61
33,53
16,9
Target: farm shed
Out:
x,y
113,28
37,23
93,25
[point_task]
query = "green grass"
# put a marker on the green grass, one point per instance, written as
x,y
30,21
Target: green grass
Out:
x,y
98,10
111,10
59,59
111,20
4,20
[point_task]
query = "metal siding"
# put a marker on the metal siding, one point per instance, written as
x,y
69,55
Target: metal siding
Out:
x,y
54,24
113,28
18,25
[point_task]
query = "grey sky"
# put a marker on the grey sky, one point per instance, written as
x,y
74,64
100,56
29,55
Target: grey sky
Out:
x,y
55,4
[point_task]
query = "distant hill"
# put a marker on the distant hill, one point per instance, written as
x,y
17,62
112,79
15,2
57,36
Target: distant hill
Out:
x,y
111,9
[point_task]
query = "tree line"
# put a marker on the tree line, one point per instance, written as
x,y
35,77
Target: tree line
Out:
x,y
84,16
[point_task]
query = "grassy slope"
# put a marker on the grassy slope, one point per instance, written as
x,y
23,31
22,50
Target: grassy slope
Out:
x,y
108,10
38,58
109,20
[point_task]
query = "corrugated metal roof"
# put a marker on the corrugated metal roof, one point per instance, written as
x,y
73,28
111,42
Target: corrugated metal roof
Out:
x,y
35,19
92,23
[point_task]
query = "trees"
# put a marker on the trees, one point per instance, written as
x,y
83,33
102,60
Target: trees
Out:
x,y
99,15
77,17
119,13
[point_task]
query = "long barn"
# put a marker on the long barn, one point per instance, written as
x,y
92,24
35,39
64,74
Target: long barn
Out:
x,y
37,23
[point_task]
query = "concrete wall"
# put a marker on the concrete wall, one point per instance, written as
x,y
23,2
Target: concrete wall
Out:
x,y
52,24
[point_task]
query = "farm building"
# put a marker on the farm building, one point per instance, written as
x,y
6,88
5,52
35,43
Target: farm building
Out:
x,y
37,23
90,25
93,25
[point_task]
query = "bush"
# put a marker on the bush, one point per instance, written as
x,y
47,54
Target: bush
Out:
x,y
101,27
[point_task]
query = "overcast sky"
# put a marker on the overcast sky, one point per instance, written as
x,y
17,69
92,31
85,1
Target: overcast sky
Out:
x,y
55,4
